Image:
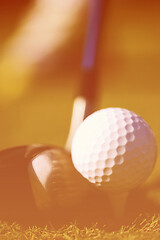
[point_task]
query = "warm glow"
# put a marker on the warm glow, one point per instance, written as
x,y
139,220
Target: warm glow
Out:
x,y
42,44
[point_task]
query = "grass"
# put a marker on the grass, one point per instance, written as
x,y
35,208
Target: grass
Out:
x,y
146,229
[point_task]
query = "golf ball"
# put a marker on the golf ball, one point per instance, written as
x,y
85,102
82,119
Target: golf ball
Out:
x,y
115,149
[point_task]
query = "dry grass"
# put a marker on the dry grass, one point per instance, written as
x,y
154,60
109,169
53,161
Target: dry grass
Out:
x,y
146,229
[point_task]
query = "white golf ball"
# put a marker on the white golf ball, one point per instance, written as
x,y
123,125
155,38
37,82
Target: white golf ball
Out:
x,y
115,149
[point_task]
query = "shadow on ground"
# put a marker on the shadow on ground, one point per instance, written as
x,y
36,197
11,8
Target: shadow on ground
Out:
x,y
95,209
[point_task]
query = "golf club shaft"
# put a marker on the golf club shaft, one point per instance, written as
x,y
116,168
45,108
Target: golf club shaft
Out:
x,y
89,83
85,101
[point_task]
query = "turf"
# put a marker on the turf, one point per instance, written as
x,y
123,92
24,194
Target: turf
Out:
x,y
146,229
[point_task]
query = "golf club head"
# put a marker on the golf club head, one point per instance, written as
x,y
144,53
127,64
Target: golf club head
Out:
x,y
55,182
16,198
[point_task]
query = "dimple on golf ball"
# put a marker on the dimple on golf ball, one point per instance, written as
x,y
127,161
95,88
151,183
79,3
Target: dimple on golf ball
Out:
x,y
115,149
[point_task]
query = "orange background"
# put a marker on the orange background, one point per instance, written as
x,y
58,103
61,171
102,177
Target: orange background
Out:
x,y
41,45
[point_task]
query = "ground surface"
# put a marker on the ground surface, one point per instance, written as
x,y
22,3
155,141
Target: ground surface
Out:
x,y
147,229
